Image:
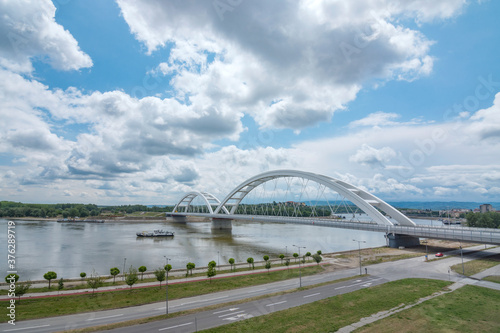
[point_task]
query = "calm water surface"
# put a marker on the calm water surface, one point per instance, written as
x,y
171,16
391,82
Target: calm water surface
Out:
x,y
69,249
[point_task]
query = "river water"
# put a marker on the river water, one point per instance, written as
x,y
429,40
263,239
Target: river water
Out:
x,y
71,248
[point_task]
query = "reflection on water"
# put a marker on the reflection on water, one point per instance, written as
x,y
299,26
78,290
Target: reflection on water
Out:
x,y
70,248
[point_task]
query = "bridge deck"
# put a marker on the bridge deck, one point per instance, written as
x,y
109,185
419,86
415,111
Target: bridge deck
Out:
x,y
465,234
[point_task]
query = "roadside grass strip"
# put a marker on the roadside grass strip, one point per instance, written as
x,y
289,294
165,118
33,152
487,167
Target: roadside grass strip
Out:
x,y
331,314
71,304
468,309
476,266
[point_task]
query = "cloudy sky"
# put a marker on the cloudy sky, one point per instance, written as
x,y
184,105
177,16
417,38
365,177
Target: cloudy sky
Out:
x,y
122,102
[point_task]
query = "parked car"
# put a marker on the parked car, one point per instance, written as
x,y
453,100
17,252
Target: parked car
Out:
x,y
439,254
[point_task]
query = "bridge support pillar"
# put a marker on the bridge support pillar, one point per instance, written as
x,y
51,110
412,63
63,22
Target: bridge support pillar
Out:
x,y
396,240
222,224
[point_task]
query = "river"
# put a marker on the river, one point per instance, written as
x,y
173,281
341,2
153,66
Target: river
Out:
x,y
71,248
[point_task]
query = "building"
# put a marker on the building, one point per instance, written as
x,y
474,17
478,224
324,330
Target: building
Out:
x,y
485,208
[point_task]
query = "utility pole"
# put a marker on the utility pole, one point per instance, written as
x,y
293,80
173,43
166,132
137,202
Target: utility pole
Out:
x,y
359,245
166,268
300,273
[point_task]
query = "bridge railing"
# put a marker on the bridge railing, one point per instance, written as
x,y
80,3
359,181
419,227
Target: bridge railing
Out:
x,y
466,234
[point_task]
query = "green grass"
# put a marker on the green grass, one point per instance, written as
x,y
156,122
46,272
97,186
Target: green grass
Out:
x,y
63,305
468,309
476,266
331,314
492,278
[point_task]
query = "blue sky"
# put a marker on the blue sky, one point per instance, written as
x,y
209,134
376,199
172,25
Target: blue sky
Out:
x,y
115,102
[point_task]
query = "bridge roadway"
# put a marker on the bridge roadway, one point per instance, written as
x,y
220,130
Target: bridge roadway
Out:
x,y
464,234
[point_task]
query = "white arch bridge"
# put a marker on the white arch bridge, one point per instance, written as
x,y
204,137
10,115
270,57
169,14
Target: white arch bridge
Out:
x,y
255,200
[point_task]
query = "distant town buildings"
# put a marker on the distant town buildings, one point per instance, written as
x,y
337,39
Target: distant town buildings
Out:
x,y
486,208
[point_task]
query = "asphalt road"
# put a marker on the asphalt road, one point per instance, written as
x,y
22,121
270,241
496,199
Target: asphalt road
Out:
x,y
380,273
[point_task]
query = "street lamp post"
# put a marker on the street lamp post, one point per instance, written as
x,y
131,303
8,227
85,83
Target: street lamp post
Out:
x,y
426,252
359,245
300,273
166,268
124,261
462,256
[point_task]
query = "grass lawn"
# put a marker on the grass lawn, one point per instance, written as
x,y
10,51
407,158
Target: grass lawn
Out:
x,y
475,266
62,305
493,278
468,309
331,314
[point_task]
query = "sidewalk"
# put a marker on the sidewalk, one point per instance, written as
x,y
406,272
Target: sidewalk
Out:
x,y
156,283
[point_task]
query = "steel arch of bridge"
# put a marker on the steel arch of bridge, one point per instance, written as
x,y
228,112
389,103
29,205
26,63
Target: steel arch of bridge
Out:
x,y
367,202
209,199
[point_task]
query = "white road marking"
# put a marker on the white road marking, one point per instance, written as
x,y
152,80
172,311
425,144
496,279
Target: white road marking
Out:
x,y
231,314
254,291
118,315
232,309
312,295
218,297
240,316
24,328
168,328
276,303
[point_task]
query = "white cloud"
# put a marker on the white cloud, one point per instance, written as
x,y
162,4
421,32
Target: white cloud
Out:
x,y
288,64
29,32
368,155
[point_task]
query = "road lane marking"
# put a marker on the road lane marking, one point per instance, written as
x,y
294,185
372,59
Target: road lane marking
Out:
x,y
231,314
254,291
312,295
118,315
240,316
169,328
24,328
218,297
232,309
276,303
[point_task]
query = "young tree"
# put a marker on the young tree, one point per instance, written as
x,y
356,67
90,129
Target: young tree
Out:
x,y
308,254
211,270
318,252
295,255
22,288
114,271
268,266
9,278
167,267
83,275
142,269
231,262
160,275
266,258
282,256
95,281
50,276
190,266
131,277
287,263
60,285
250,262
317,258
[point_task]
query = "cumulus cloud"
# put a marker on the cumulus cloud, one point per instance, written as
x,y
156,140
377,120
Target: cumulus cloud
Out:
x,y
28,32
368,155
288,64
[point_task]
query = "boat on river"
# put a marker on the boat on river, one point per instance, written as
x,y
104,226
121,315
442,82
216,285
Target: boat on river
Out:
x,y
155,233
